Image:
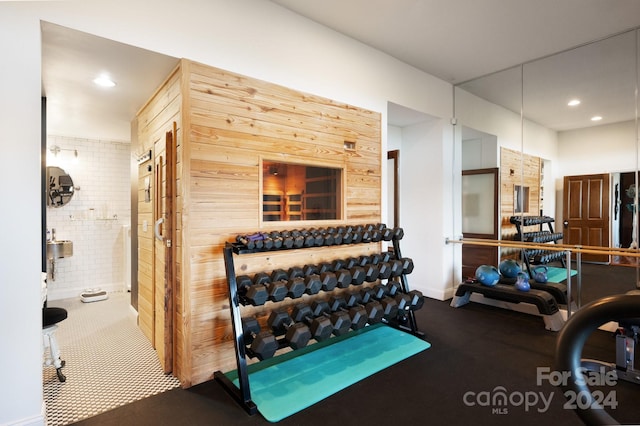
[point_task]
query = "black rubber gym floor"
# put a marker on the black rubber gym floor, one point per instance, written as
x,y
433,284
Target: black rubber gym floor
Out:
x,y
478,353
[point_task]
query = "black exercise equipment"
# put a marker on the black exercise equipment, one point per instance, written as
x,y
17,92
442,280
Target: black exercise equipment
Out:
x,y
255,294
374,309
571,341
340,321
296,334
389,304
263,344
250,341
277,290
320,326
293,281
357,313
507,295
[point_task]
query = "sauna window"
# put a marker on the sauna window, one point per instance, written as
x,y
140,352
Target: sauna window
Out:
x,y
293,192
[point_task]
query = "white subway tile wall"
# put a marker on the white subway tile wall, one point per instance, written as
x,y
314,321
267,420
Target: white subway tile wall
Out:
x,y
95,219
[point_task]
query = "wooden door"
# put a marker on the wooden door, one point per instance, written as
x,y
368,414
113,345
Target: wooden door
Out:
x,y
586,213
163,250
156,273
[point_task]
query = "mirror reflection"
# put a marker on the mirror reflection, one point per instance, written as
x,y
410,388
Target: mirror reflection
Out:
x,y
563,131
292,192
60,187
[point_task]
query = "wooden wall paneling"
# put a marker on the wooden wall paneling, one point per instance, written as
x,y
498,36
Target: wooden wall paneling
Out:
x,y
228,123
517,169
234,121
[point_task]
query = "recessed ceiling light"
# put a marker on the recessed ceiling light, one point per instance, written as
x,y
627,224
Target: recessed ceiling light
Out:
x,y
104,81
574,102
596,118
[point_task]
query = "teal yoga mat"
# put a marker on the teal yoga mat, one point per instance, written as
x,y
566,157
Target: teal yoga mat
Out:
x,y
292,382
557,275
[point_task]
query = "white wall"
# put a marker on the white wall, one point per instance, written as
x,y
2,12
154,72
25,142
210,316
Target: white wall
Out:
x,y
426,201
613,145
252,37
94,218
20,302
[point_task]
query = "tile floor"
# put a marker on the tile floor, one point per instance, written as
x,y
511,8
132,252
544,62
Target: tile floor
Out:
x,y
109,362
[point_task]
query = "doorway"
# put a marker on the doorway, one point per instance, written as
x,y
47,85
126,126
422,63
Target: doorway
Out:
x,y
98,133
393,190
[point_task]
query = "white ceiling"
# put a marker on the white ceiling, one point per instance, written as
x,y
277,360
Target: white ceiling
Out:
x,y
78,108
458,40
455,40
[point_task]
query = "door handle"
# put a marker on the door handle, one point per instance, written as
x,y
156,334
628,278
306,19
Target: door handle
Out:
x,y
566,223
156,229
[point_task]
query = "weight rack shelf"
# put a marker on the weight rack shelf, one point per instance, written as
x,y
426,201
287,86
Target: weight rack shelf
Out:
x,y
537,256
242,392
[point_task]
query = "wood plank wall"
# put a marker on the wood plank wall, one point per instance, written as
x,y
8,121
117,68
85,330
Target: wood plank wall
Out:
x,y
230,123
154,120
517,168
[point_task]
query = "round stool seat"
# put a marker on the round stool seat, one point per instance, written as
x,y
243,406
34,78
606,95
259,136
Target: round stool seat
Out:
x,y
52,316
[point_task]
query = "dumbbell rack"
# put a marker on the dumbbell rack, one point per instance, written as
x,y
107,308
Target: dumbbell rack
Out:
x,y
242,392
538,256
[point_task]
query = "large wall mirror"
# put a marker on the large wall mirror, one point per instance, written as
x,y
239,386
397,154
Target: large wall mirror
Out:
x,y
565,128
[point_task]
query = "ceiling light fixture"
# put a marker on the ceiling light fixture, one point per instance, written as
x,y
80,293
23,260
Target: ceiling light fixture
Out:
x,y
574,102
104,81
596,118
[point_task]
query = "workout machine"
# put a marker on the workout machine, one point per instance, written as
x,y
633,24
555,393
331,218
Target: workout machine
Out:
x,y
571,340
626,341
391,303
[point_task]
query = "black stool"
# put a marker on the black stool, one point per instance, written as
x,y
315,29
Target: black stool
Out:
x,y
50,318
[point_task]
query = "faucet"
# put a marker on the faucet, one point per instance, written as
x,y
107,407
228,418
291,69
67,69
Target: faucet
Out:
x,y
53,234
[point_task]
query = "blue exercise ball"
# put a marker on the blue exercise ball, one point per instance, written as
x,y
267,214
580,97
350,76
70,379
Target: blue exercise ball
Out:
x,y
488,275
510,268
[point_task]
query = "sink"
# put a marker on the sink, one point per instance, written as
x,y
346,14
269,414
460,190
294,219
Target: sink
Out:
x,y
59,248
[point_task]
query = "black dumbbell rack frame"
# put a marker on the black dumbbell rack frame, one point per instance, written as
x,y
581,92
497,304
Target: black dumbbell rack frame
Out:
x,y
537,257
242,392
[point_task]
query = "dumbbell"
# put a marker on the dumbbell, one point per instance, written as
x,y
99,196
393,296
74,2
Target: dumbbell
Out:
x,y
407,265
328,280
320,326
256,294
296,334
358,273
374,309
357,313
343,276
340,321
413,300
277,238
263,344
277,290
312,280
398,233
250,241
257,241
389,304
294,283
